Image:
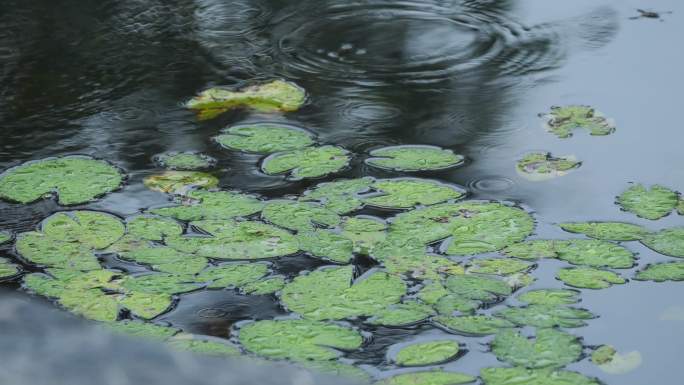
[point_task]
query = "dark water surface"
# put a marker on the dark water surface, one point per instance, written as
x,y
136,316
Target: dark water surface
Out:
x,y
108,79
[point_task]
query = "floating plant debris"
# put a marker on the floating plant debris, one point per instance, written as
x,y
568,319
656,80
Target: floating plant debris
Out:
x,y
653,203
549,348
180,182
610,361
264,138
542,165
414,158
185,161
427,353
562,121
299,216
74,179
668,241
609,231
519,376
589,278
8,269
661,272
433,377
544,316
298,340
198,205
310,162
550,297
269,97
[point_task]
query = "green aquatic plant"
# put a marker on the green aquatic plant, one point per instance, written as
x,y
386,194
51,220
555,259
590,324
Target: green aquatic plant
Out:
x,y
5,237
180,182
159,283
203,345
612,362
427,353
532,250
8,269
299,216
562,121
523,376
549,348
264,138
409,257
468,227
402,314
476,325
671,271
403,193
594,253
498,266
310,162
653,203
298,340
542,165
327,245
275,96
589,278
330,293
544,316
433,377
143,329
336,368
551,297
609,231
187,161
152,228
198,205
477,287
165,259
414,158
680,206
451,303
340,196
232,275
668,242
264,286
73,179
364,232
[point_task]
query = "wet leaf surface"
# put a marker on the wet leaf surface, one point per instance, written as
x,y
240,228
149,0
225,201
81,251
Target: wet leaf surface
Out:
x,y
610,361
609,231
414,158
653,203
184,161
549,348
542,165
671,271
327,245
550,297
406,193
562,121
212,205
311,162
8,269
428,378
668,242
180,182
232,274
545,316
299,216
478,325
203,345
589,278
427,353
264,138
520,376
402,314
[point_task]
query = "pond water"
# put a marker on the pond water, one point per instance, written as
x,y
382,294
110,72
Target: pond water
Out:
x,y
109,80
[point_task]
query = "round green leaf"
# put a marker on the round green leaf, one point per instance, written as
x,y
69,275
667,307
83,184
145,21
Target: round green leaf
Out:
x,y
300,216
166,259
532,250
5,237
594,253
414,158
669,242
327,245
402,314
341,196
542,165
562,121
672,271
612,362
180,182
650,204
609,231
8,269
265,286
427,353
402,193
550,297
159,284
433,377
198,205
550,348
264,138
589,278
544,316
478,325
152,228
185,161
143,329
310,162
522,376
232,274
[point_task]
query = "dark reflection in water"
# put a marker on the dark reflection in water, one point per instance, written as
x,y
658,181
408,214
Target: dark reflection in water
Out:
x,y
108,78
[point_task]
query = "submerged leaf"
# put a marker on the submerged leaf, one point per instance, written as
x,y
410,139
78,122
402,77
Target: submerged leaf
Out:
x,y
609,231
264,138
433,377
523,376
544,316
300,216
310,162
180,182
542,165
427,353
671,271
562,121
185,161
589,278
414,158
668,242
550,348
650,204
550,297
74,179
198,205
401,193
477,325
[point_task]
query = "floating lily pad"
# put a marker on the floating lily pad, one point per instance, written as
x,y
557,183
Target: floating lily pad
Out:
x,y
589,278
310,162
672,271
469,227
550,297
8,269
550,348
166,259
180,182
532,250
432,377
542,165
680,206
523,376
203,345
74,179
404,193
414,158
300,216
650,204
543,316
327,245
669,242
427,353
562,121
236,240
198,205
340,196
402,314
5,237
264,286
612,362
609,231
330,293
337,368
452,303
143,329
498,266
298,340
594,253
431,292
152,228
275,96
185,161
365,232
146,305
264,138
477,287
159,284
410,258
232,275
478,325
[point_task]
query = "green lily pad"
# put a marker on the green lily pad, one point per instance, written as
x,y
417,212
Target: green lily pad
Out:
x,y
414,158
203,345
337,368
232,275
550,297
327,245
612,362
543,316
609,231
265,286
74,179
452,303
432,292
330,294
562,121
341,196
427,353
198,205
299,216
5,237
146,305
603,354
236,240
166,259
477,325
471,227
542,165
411,259
185,161
402,193
594,253
668,242
650,204
180,182
532,250
159,284
550,348
264,138
433,377
477,287
152,228
310,162
8,269
402,314
523,376
143,329
589,278
671,271
275,96
365,232
498,266
680,206
298,340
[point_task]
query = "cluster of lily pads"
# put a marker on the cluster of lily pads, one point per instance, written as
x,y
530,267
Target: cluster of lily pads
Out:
x,y
436,258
